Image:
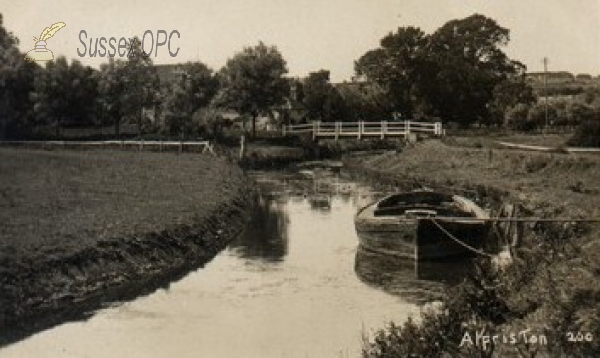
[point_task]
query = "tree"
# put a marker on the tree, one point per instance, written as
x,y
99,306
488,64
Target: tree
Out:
x,y
508,94
540,116
53,93
110,91
471,64
127,87
451,73
194,90
141,85
364,101
16,83
252,82
396,66
516,117
322,100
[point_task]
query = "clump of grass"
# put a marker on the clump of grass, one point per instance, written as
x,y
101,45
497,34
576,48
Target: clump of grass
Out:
x,y
535,163
587,134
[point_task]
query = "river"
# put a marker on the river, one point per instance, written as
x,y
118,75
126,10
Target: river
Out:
x,y
293,284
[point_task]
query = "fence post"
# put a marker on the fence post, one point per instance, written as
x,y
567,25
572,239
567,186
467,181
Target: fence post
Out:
x,y
337,130
360,128
383,128
284,130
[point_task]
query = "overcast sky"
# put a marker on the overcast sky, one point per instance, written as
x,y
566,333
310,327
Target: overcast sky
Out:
x,y
311,34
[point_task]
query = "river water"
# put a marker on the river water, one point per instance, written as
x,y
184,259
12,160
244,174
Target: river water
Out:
x,y
294,284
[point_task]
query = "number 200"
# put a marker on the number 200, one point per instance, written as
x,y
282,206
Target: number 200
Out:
x,y
580,337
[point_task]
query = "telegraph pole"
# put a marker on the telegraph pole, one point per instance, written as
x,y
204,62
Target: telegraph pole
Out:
x,y
546,90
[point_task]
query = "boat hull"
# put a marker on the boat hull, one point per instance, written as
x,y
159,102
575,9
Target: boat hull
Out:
x,y
419,238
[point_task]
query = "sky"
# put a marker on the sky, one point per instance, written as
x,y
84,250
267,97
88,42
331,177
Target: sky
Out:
x,y
311,34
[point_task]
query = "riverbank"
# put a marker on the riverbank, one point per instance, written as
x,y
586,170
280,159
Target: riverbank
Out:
x,y
552,285
82,229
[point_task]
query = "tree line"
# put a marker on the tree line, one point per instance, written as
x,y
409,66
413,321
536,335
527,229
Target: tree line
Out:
x,y
459,73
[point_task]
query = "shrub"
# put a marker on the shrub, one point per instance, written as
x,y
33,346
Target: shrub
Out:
x,y
587,134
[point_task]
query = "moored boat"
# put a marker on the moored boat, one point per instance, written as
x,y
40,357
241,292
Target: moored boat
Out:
x,y
423,225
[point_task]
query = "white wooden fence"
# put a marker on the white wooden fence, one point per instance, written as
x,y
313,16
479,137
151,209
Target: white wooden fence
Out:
x,y
139,144
363,129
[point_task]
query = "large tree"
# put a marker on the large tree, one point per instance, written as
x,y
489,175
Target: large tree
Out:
x,y
395,66
193,90
110,90
16,83
127,87
365,101
252,82
454,73
322,100
52,91
471,64
141,85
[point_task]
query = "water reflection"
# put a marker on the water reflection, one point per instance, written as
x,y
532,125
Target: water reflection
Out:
x,y
266,236
415,281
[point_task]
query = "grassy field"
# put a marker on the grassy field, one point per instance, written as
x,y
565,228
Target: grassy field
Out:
x,y
57,199
76,224
566,181
552,288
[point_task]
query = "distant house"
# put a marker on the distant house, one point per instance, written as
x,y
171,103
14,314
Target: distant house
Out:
x,y
556,76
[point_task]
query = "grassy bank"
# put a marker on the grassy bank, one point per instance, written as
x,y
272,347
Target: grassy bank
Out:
x,y
83,228
551,288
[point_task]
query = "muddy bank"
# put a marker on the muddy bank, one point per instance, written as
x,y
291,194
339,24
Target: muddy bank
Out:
x,y
60,262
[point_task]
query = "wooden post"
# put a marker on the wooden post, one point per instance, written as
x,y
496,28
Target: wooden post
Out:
x,y
160,146
360,128
337,129
315,129
242,149
383,128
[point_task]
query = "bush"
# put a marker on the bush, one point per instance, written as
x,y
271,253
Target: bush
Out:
x,y
587,134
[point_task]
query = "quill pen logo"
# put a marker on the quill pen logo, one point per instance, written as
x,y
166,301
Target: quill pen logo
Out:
x,y
40,52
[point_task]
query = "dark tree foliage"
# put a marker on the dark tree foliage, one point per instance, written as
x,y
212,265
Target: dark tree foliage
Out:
x,y
322,100
587,134
126,87
252,82
65,95
365,101
396,66
110,90
194,89
16,84
459,73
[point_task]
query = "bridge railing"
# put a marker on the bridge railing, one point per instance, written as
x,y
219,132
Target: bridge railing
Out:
x,y
362,128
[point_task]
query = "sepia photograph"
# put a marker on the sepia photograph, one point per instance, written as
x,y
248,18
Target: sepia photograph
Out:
x,y
299,179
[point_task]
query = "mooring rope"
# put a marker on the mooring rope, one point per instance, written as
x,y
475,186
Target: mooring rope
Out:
x,y
467,246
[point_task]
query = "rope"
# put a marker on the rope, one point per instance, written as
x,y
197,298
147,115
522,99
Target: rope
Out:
x,y
468,247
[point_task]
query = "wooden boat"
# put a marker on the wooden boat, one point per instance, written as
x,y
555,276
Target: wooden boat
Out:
x,y
423,225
